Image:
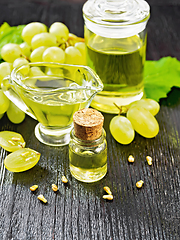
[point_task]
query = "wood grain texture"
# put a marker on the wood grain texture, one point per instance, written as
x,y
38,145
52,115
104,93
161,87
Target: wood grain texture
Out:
x,y
78,211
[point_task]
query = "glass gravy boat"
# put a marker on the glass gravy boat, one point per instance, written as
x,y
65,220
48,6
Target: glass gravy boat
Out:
x,y
51,93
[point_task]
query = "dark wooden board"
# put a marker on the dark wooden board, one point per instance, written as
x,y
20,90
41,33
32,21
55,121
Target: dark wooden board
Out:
x,y
77,211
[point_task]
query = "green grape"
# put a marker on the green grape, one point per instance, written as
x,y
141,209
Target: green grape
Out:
x,y
5,70
60,31
26,49
54,71
21,160
143,122
32,29
43,39
82,48
11,141
35,72
4,102
149,104
15,114
10,52
36,55
122,129
73,56
54,54
20,61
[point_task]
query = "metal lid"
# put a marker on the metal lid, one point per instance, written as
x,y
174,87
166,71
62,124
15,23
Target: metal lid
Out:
x,y
116,18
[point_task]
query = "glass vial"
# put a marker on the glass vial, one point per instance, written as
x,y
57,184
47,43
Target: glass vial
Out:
x,y
87,146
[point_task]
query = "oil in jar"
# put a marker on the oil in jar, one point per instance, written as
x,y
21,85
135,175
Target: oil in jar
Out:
x,y
120,65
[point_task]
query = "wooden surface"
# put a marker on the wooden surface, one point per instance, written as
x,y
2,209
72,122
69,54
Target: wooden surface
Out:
x,y
77,211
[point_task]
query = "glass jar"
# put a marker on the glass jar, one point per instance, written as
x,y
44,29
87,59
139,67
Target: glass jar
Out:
x,y
115,36
88,158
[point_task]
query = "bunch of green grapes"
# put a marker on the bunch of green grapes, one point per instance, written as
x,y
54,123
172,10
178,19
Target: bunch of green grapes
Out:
x,y
41,44
140,118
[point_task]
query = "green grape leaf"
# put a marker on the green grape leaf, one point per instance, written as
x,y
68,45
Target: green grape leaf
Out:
x,y
10,34
160,76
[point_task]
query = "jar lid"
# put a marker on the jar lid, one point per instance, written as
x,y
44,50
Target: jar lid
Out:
x,y
116,18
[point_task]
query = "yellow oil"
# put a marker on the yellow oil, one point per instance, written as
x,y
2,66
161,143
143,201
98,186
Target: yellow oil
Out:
x,y
88,166
120,65
56,109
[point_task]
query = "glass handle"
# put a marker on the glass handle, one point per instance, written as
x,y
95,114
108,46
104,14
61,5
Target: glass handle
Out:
x,y
12,94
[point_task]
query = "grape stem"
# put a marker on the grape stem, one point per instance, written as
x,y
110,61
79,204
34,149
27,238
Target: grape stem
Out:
x,y
79,39
67,43
24,56
122,109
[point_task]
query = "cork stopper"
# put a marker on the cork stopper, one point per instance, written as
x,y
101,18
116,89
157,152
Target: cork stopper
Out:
x,y
88,124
